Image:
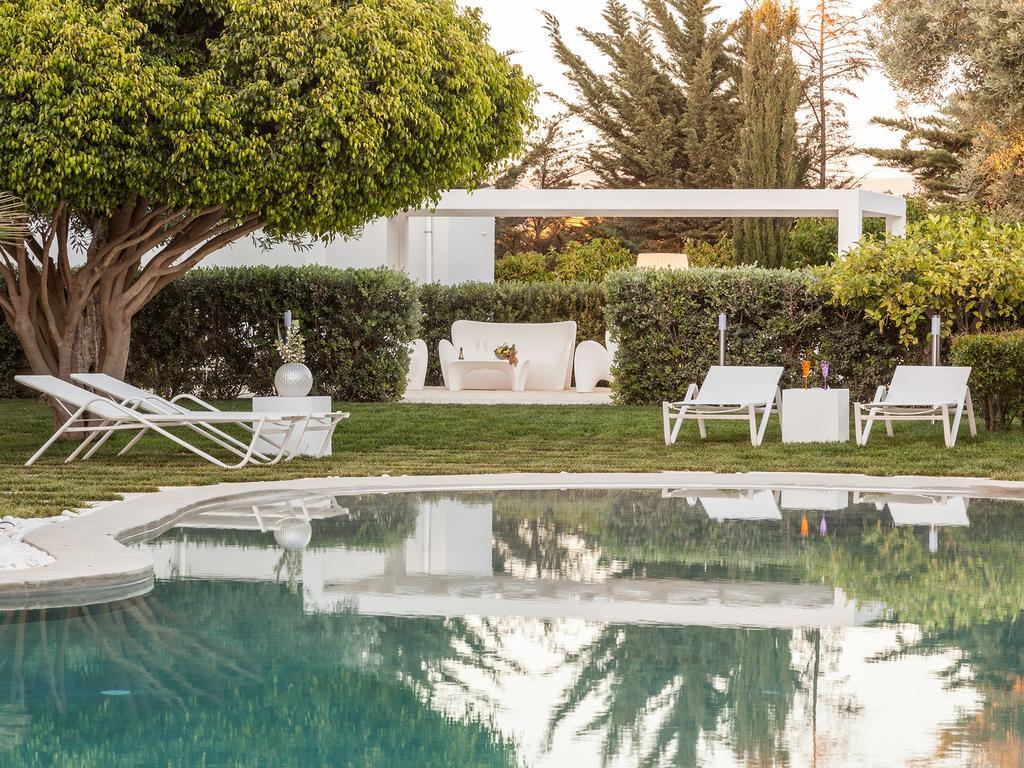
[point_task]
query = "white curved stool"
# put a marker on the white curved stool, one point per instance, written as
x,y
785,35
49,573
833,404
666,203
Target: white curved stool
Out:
x,y
417,376
591,363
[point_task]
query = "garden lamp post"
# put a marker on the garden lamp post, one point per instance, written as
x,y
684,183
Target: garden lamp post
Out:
x,y
936,337
722,322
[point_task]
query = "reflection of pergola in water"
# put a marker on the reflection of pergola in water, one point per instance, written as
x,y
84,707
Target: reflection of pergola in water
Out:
x,y
445,569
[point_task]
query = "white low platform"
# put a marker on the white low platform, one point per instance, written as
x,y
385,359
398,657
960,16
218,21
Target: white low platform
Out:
x,y
442,396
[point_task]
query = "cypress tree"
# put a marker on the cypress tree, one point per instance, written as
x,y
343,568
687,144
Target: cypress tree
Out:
x,y
666,121
768,155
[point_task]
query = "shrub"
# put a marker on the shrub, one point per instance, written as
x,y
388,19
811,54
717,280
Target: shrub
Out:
x,y
967,267
666,323
528,266
700,253
508,302
997,378
12,362
213,331
592,260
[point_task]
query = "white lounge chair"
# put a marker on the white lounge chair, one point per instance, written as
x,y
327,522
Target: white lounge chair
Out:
x,y
140,399
736,392
99,417
920,393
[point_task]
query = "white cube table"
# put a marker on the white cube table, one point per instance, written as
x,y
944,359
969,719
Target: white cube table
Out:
x,y
815,415
311,444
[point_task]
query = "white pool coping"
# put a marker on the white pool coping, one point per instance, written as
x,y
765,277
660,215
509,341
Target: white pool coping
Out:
x,y
93,565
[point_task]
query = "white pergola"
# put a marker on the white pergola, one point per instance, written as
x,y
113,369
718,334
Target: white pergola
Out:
x,y
849,206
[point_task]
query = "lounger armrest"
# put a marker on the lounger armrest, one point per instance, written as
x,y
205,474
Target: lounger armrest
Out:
x,y
691,392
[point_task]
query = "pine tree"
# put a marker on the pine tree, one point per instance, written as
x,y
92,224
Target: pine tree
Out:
x,y
934,149
662,121
834,48
768,154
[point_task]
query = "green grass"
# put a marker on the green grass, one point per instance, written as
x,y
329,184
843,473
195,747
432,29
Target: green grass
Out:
x,y
431,439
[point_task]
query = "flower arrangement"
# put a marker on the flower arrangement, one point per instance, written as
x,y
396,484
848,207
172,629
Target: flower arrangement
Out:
x,y
291,348
506,352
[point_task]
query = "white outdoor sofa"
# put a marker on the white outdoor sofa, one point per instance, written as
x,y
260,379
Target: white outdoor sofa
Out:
x,y
737,392
920,393
545,352
98,417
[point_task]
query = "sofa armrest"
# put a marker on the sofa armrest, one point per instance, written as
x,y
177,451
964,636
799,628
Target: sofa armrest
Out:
x,y
445,354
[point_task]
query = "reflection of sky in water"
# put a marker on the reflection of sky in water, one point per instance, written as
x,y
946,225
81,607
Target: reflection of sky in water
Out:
x,y
611,625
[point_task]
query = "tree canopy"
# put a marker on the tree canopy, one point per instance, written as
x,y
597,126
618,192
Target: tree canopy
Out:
x,y
153,132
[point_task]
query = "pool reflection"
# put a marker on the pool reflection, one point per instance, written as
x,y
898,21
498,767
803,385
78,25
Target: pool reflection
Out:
x,y
682,627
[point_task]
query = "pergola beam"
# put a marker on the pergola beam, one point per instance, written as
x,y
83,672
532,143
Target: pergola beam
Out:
x,y
848,206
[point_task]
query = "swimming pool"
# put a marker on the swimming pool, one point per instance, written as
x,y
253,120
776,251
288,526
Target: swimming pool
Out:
x,y
676,626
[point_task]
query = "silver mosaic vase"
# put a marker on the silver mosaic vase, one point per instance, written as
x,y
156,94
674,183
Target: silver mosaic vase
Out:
x,y
293,380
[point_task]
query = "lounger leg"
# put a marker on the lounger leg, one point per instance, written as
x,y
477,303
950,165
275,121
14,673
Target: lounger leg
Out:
x,y
132,442
869,422
764,423
752,413
947,434
666,426
55,436
88,441
970,415
702,427
888,427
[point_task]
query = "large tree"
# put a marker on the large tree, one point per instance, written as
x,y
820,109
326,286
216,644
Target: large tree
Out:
x,y
146,134
972,50
834,48
933,149
769,153
662,120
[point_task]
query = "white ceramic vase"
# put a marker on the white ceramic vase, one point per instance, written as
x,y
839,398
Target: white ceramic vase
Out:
x,y
293,380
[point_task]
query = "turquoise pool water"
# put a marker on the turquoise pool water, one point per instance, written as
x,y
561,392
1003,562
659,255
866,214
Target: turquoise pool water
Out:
x,y
683,627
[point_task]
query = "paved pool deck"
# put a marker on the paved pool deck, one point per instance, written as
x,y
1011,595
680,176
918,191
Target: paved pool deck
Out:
x,y
93,565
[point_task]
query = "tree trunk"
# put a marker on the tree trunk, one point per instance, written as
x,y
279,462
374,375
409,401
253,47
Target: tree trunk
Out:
x,y
84,355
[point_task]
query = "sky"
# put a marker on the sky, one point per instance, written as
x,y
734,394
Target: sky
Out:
x,y
517,27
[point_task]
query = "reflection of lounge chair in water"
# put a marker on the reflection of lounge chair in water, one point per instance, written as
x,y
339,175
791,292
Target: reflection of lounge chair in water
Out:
x,y
914,509
731,503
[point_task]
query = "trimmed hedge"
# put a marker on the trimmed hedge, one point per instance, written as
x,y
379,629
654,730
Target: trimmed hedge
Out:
x,y
997,378
213,331
666,322
12,362
508,303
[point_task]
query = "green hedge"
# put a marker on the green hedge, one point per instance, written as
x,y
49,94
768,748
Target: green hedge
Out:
x,y
667,328
12,361
213,331
508,303
997,378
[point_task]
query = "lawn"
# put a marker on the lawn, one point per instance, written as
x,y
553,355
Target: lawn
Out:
x,y
431,439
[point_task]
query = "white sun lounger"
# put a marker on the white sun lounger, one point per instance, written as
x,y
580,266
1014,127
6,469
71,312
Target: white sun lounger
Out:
x,y
920,393
144,400
736,392
100,417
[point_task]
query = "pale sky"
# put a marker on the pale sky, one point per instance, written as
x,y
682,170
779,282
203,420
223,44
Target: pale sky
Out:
x,y
517,26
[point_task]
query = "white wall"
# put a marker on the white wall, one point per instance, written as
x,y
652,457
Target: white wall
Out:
x,y
441,250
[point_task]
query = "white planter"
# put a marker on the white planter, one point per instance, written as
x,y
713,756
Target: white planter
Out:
x,y
293,380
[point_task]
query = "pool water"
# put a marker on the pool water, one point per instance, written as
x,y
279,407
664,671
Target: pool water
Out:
x,y
675,627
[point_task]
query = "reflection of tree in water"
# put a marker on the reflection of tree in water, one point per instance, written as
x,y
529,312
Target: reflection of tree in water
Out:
x,y
662,689
247,679
989,659
975,576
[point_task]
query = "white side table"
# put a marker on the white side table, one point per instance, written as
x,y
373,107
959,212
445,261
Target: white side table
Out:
x,y
311,444
815,415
